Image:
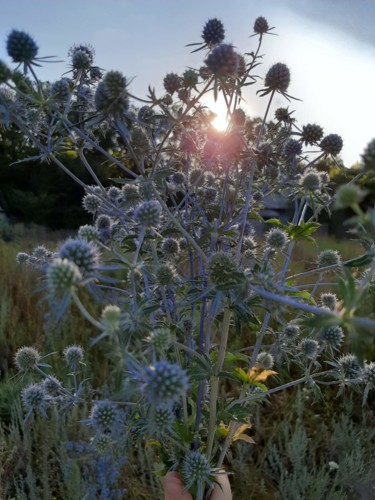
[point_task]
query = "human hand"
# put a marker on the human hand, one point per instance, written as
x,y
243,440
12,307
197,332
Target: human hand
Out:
x,y
174,488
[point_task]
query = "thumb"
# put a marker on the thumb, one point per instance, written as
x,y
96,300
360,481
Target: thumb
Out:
x,y
222,491
174,487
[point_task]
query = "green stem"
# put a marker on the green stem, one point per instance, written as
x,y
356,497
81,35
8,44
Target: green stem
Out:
x,y
84,311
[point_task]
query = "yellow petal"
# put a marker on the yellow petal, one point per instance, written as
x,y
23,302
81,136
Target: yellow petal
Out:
x,y
264,375
244,437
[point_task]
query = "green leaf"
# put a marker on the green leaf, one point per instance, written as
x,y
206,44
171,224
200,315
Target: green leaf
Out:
x,y
239,374
274,222
363,260
238,356
237,412
303,230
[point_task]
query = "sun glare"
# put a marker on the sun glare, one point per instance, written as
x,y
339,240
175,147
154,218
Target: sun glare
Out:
x,y
220,122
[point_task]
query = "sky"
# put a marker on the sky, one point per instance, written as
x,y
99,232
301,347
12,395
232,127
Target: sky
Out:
x,y
329,46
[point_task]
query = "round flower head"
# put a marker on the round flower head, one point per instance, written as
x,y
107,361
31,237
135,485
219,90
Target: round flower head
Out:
x,y
22,258
102,443
91,203
40,252
311,134
213,32
260,25
148,214
26,358
34,397
278,77
221,266
130,195
265,360
161,338
309,348
331,144
5,72
368,373
164,383
170,247
283,115
88,233
163,419
103,222
104,416
60,90
113,193
291,332
83,254
111,95
111,318
190,78
172,83
82,57
328,300
73,356
146,114
223,60
292,148
21,47
52,386
195,468
333,335
62,275
311,180
140,142
328,257
277,238
349,366
165,274
348,195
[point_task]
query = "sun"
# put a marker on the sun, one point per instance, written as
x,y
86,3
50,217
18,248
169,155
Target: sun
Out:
x,y
220,122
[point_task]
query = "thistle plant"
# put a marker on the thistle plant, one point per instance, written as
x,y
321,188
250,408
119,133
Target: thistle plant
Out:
x,y
172,267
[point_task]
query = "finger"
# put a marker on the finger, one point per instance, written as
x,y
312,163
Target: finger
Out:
x,y
222,491
174,488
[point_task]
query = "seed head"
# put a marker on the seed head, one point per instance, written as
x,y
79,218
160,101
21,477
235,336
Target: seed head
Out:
x,y
88,233
165,383
260,25
223,60
213,32
26,358
332,144
277,238
292,148
311,134
165,274
170,247
111,318
21,47
278,77
328,300
148,214
328,257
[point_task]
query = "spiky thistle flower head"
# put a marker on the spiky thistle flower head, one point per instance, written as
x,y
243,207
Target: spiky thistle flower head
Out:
x,y
130,195
195,468
348,195
60,90
349,365
164,383
139,141
111,94
276,238
81,56
328,300
21,47
284,115
311,180
34,397
221,266
368,373
278,78
309,348
161,338
333,336
223,60
104,416
52,386
291,332
260,25
163,419
265,360
213,32
148,213
22,258
26,358
110,319
170,247
190,78
172,83
328,257
331,144
88,233
91,203
292,148
62,275
73,356
146,114
311,133
83,254
165,274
